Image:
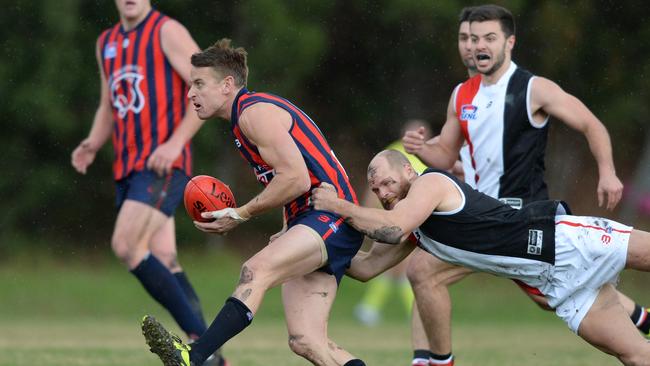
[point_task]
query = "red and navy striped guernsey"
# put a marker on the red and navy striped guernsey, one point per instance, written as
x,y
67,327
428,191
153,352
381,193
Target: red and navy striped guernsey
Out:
x,y
148,97
322,164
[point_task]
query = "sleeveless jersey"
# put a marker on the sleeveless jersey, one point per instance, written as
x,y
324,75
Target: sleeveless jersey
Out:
x,y
322,164
506,147
148,97
489,236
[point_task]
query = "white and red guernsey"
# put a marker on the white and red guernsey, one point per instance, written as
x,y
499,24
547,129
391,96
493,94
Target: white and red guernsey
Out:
x,y
506,145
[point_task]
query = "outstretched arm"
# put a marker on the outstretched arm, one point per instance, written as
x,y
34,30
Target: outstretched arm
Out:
x,y
548,98
394,226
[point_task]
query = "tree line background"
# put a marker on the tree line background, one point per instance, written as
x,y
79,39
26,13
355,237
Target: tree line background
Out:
x,y
358,68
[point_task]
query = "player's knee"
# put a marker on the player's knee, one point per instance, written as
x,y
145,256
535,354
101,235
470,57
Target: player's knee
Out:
x,y
120,247
417,272
255,271
427,273
303,345
168,258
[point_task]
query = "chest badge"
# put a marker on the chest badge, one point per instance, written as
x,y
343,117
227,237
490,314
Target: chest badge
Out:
x,y
468,112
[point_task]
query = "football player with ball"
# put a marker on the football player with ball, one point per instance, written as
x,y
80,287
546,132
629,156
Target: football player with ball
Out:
x,y
289,156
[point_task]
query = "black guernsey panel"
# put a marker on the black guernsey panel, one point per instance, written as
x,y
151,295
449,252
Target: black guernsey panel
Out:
x,y
523,145
487,226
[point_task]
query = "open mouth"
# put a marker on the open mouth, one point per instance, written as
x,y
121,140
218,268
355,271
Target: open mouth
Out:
x,y
388,203
197,106
482,57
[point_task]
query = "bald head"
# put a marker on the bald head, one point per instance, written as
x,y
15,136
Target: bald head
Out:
x,y
391,159
389,176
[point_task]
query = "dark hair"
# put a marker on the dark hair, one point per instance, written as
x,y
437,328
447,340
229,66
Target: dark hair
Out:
x,y
464,14
484,13
227,61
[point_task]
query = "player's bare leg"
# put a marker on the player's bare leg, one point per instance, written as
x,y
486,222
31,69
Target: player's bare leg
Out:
x,y
163,246
608,327
627,303
419,339
295,253
135,226
429,277
307,304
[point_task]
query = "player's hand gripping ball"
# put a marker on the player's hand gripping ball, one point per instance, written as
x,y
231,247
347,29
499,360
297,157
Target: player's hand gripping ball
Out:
x,y
204,193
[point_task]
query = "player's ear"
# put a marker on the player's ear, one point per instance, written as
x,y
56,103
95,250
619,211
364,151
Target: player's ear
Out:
x,y
408,169
228,84
510,42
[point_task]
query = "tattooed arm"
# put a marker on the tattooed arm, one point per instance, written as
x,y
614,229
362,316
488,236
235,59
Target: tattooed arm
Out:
x,y
426,193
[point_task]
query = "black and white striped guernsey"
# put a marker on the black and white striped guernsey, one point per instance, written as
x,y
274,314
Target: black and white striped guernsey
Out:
x,y
506,146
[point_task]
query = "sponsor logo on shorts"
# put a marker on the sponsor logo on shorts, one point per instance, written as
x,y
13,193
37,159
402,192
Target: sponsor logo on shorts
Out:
x,y
606,239
334,227
323,218
535,241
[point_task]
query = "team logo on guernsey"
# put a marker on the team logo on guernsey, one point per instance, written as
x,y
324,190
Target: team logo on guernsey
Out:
x,y
468,112
110,50
125,90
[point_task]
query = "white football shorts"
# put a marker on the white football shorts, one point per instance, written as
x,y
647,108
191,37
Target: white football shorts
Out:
x,y
589,252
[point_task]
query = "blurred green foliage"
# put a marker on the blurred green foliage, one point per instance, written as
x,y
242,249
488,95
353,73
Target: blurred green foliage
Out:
x,y
358,68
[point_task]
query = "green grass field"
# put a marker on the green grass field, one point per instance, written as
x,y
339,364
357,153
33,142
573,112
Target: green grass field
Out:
x,y
87,312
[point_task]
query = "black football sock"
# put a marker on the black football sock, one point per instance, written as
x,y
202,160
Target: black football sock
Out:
x,y
355,362
190,295
641,319
421,357
233,317
442,360
164,288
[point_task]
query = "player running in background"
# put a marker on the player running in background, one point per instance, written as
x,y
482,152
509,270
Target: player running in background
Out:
x,y
507,144
289,156
144,66
574,260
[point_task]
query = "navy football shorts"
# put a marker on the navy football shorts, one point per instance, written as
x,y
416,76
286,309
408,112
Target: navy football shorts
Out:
x,y
342,241
162,193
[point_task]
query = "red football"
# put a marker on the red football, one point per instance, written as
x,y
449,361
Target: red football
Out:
x,y
204,193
